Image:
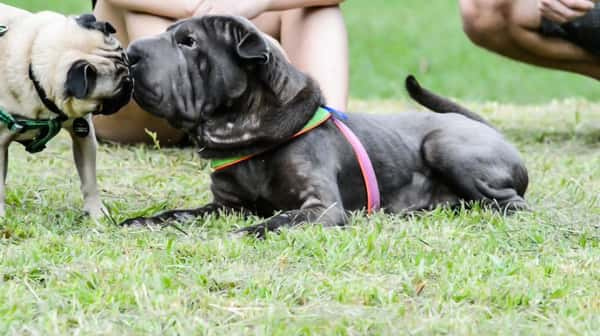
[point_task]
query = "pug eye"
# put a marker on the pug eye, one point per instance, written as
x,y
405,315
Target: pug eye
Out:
x,y
187,41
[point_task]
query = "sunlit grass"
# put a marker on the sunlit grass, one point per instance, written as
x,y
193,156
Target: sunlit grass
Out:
x,y
471,272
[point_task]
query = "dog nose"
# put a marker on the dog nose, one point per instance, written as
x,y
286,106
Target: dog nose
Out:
x,y
134,55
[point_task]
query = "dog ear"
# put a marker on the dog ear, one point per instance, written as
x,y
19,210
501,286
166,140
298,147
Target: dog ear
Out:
x,y
81,80
88,21
241,34
105,27
253,47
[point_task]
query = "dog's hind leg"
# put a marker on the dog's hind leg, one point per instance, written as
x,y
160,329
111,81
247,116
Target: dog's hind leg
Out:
x,y
3,171
488,172
5,138
505,200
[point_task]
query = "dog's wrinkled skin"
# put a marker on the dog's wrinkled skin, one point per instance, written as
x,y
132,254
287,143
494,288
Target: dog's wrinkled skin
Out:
x,y
235,93
81,67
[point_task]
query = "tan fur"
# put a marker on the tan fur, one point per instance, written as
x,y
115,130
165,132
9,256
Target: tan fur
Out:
x,y
52,43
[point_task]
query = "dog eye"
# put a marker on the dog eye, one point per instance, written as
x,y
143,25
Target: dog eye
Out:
x,y
187,41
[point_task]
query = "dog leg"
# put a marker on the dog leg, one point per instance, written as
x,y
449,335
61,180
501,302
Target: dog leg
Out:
x,y
473,174
84,153
318,198
5,139
3,170
178,215
333,215
321,203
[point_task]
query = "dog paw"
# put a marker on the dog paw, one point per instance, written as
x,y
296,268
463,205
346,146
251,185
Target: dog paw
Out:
x,y
95,209
257,231
141,222
260,231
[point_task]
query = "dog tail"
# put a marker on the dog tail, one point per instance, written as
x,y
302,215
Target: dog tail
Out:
x,y
438,103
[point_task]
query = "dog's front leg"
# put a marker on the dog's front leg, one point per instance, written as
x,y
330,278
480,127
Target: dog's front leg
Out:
x,y
331,215
84,153
319,198
164,218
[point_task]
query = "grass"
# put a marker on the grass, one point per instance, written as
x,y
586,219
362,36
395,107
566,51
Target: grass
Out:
x,y
390,38
471,272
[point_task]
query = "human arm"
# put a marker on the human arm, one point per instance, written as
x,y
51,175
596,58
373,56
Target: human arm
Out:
x,y
252,8
175,9
562,11
278,5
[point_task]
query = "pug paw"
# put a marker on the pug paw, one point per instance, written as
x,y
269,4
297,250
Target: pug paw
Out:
x,y
95,210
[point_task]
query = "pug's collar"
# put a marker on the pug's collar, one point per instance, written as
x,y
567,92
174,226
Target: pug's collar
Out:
x,y
48,128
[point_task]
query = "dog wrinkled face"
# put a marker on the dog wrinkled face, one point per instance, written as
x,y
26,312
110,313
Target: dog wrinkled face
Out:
x,y
82,67
198,75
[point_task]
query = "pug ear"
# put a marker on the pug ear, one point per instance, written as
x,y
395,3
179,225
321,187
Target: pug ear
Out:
x,y
88,21
81,80
105,27
254,48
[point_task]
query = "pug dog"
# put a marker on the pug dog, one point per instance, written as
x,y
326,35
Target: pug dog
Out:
x,y
219,79
55,72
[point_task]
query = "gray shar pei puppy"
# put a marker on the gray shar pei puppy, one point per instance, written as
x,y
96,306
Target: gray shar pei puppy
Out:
x,y
55,71
235,93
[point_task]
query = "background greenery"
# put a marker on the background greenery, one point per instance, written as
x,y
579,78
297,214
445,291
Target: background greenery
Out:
x,y
468,272
391,38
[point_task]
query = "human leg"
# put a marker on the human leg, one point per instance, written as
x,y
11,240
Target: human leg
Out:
x,y
131,124
316,41
304,34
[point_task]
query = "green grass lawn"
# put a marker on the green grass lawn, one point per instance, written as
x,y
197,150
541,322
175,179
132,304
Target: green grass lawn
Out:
x,y
391,38
471,272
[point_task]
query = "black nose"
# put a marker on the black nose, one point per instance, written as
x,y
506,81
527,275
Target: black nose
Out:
x,y
134,54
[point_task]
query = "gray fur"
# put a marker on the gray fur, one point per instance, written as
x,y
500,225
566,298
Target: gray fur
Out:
x,y
422,159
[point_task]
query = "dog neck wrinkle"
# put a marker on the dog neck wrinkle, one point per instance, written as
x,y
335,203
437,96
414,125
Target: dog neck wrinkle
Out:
x,y
302,110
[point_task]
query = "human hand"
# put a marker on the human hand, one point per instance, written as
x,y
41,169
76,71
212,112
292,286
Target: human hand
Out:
x,y
562,11
246,8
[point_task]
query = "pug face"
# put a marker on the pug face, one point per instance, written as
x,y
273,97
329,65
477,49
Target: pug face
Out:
x,y
81,66
221,80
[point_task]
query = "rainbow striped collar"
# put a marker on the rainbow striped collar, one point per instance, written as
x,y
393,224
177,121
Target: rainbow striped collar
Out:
x,y
322,115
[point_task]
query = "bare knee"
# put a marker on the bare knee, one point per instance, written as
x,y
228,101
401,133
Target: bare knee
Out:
x,y
300,15
484,20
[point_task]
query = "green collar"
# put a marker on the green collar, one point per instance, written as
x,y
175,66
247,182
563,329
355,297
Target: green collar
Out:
x,y
48,128
320,117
